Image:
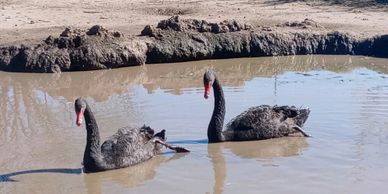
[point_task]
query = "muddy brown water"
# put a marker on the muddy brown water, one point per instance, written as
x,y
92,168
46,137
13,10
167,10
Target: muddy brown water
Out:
x,y
42,148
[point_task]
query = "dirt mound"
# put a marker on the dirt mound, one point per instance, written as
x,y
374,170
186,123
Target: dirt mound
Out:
x,y
177,39
169,11
305,24
178,24
75,50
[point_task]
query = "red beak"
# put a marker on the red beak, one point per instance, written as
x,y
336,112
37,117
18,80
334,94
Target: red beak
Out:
x,y
207,91
80,116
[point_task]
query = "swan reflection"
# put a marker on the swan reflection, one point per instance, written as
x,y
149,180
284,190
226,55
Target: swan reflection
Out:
x,y
127,177
264,151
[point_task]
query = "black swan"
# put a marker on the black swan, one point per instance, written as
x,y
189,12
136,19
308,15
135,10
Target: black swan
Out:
x,y
256,123
127,147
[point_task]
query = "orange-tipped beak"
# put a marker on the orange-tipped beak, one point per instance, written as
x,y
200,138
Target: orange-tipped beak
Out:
x,y
80,116
207,91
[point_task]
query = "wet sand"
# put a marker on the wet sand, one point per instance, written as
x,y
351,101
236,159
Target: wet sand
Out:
x,y
24,22
42,147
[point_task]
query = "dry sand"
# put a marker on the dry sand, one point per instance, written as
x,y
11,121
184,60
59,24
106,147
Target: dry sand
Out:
x,y
29,22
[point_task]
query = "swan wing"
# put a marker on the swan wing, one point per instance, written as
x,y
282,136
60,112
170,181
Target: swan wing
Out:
x,y
129,146
263,122
252,118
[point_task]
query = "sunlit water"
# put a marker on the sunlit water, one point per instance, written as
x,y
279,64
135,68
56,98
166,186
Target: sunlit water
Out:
x,y
42,148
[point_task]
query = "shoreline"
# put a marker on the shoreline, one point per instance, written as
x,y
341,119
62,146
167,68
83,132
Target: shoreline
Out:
x,y
31,22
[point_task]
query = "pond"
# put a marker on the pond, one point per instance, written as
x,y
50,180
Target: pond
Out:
x,y
42,148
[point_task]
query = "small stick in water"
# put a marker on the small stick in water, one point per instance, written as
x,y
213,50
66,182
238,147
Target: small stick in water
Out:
x,y
178,149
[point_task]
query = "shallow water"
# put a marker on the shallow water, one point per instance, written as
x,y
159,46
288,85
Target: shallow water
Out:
x,y
42,148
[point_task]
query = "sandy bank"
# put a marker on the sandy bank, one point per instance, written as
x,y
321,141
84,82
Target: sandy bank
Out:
x,y
176,39
29,22
255,28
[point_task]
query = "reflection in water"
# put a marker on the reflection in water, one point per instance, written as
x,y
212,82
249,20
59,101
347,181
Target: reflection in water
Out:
x,y
259,150
219,166
100,85
268,149
24,97
127,177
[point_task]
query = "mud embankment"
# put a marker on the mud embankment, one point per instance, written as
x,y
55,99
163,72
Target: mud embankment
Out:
x,y
177,39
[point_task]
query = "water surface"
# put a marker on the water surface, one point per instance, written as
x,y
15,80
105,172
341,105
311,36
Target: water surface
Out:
x,y
42,148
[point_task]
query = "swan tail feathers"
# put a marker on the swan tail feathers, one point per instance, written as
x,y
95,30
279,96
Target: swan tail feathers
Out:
x,y
161,135
302,116
299,129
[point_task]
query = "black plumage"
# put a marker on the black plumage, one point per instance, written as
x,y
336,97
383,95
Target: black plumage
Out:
x,y
260,122
127,147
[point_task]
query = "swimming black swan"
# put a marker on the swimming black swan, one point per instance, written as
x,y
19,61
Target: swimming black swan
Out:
x,y
127,147
260,122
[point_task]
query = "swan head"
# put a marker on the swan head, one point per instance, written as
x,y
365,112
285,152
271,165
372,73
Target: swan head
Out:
x,y
80,106
208,80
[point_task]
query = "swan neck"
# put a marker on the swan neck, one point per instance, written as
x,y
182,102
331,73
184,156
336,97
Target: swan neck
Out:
x,y
217,120
92,150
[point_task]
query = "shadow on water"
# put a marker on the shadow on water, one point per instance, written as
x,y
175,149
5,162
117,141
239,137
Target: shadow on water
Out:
x,y
263,149
8,177
125,176
190,141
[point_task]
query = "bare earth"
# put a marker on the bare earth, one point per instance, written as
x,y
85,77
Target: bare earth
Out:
x,y
29,22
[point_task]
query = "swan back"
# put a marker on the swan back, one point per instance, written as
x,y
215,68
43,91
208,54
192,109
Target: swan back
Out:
x,y
264,122
130,146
